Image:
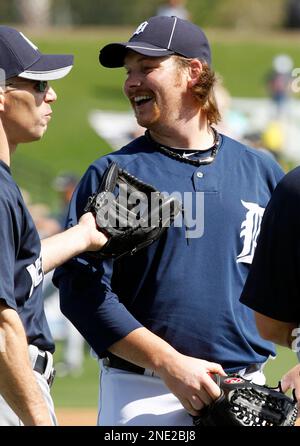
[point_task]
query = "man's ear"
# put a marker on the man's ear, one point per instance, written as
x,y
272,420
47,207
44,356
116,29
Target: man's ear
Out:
x,y
195,70
2,99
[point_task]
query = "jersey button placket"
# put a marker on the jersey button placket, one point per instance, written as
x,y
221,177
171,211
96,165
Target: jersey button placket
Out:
x,y
199,180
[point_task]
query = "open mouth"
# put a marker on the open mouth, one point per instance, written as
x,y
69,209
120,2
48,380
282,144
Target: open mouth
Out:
x,y
140,100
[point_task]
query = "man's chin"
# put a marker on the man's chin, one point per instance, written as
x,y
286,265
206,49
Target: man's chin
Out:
x,y
33,137
146,123
40,133
37,137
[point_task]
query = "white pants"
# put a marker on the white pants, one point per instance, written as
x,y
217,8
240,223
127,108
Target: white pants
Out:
x,y
129,399
8,417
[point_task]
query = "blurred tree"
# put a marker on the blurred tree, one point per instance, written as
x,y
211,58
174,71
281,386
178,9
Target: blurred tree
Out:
x,y
105,12
240,14
7,12
203,11
293,14
34,13
62,12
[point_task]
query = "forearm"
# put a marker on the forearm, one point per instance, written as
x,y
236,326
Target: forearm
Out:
x,y
187,378
18,385
145,349
276,331
61,247
82,237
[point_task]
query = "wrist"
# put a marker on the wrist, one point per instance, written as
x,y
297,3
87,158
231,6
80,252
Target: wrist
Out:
x,y
163,361
82,237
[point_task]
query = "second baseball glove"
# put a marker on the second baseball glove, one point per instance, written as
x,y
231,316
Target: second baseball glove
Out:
x,y
133,214
243,403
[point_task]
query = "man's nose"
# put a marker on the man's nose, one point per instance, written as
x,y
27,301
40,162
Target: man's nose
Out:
x,y
50,96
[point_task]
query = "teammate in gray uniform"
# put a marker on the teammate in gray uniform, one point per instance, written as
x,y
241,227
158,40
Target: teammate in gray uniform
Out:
x,y
26,345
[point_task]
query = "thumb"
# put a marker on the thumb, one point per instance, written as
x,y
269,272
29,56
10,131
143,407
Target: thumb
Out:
x,y
285,383
216,368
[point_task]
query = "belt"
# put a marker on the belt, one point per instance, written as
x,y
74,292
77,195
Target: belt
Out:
x,y
252,368
119,363
40,366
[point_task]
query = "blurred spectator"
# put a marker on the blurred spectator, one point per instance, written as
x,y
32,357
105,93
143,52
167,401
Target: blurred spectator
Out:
x,y
61,327
40,213
293,14
233,122
34,13
174,8
279,82
256,141
45,224
65,184
273,137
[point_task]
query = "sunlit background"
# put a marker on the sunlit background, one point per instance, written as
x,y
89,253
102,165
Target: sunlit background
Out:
x,y
256,53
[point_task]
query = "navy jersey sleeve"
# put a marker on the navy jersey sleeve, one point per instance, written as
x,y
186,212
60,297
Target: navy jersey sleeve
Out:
x,y
273,284
86,295
8,235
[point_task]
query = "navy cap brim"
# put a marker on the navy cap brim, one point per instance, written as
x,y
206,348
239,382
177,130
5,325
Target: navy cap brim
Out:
x,y
49,67
113,54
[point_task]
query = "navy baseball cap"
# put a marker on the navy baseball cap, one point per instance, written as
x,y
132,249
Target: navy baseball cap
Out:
x,y
160,36
20,57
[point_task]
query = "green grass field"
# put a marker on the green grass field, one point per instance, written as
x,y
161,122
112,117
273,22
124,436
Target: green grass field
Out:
x,y
77,391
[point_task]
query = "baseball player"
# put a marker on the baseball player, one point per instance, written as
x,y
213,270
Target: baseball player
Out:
x,y
272,287
26,345
162,320
174,8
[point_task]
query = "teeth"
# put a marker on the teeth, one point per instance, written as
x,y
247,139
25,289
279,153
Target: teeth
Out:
x,y
141,98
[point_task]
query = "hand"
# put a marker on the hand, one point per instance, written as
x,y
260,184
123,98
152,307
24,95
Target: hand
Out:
x,y
291,380
94,238
188,378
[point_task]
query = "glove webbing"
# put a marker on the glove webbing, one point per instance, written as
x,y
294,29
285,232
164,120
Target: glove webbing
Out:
x,y
132,180
256,409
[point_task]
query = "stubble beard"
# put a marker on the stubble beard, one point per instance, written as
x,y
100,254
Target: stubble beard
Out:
x,y
151,119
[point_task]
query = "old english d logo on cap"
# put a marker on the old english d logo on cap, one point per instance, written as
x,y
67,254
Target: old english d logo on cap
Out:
x,y
157,37
140,28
